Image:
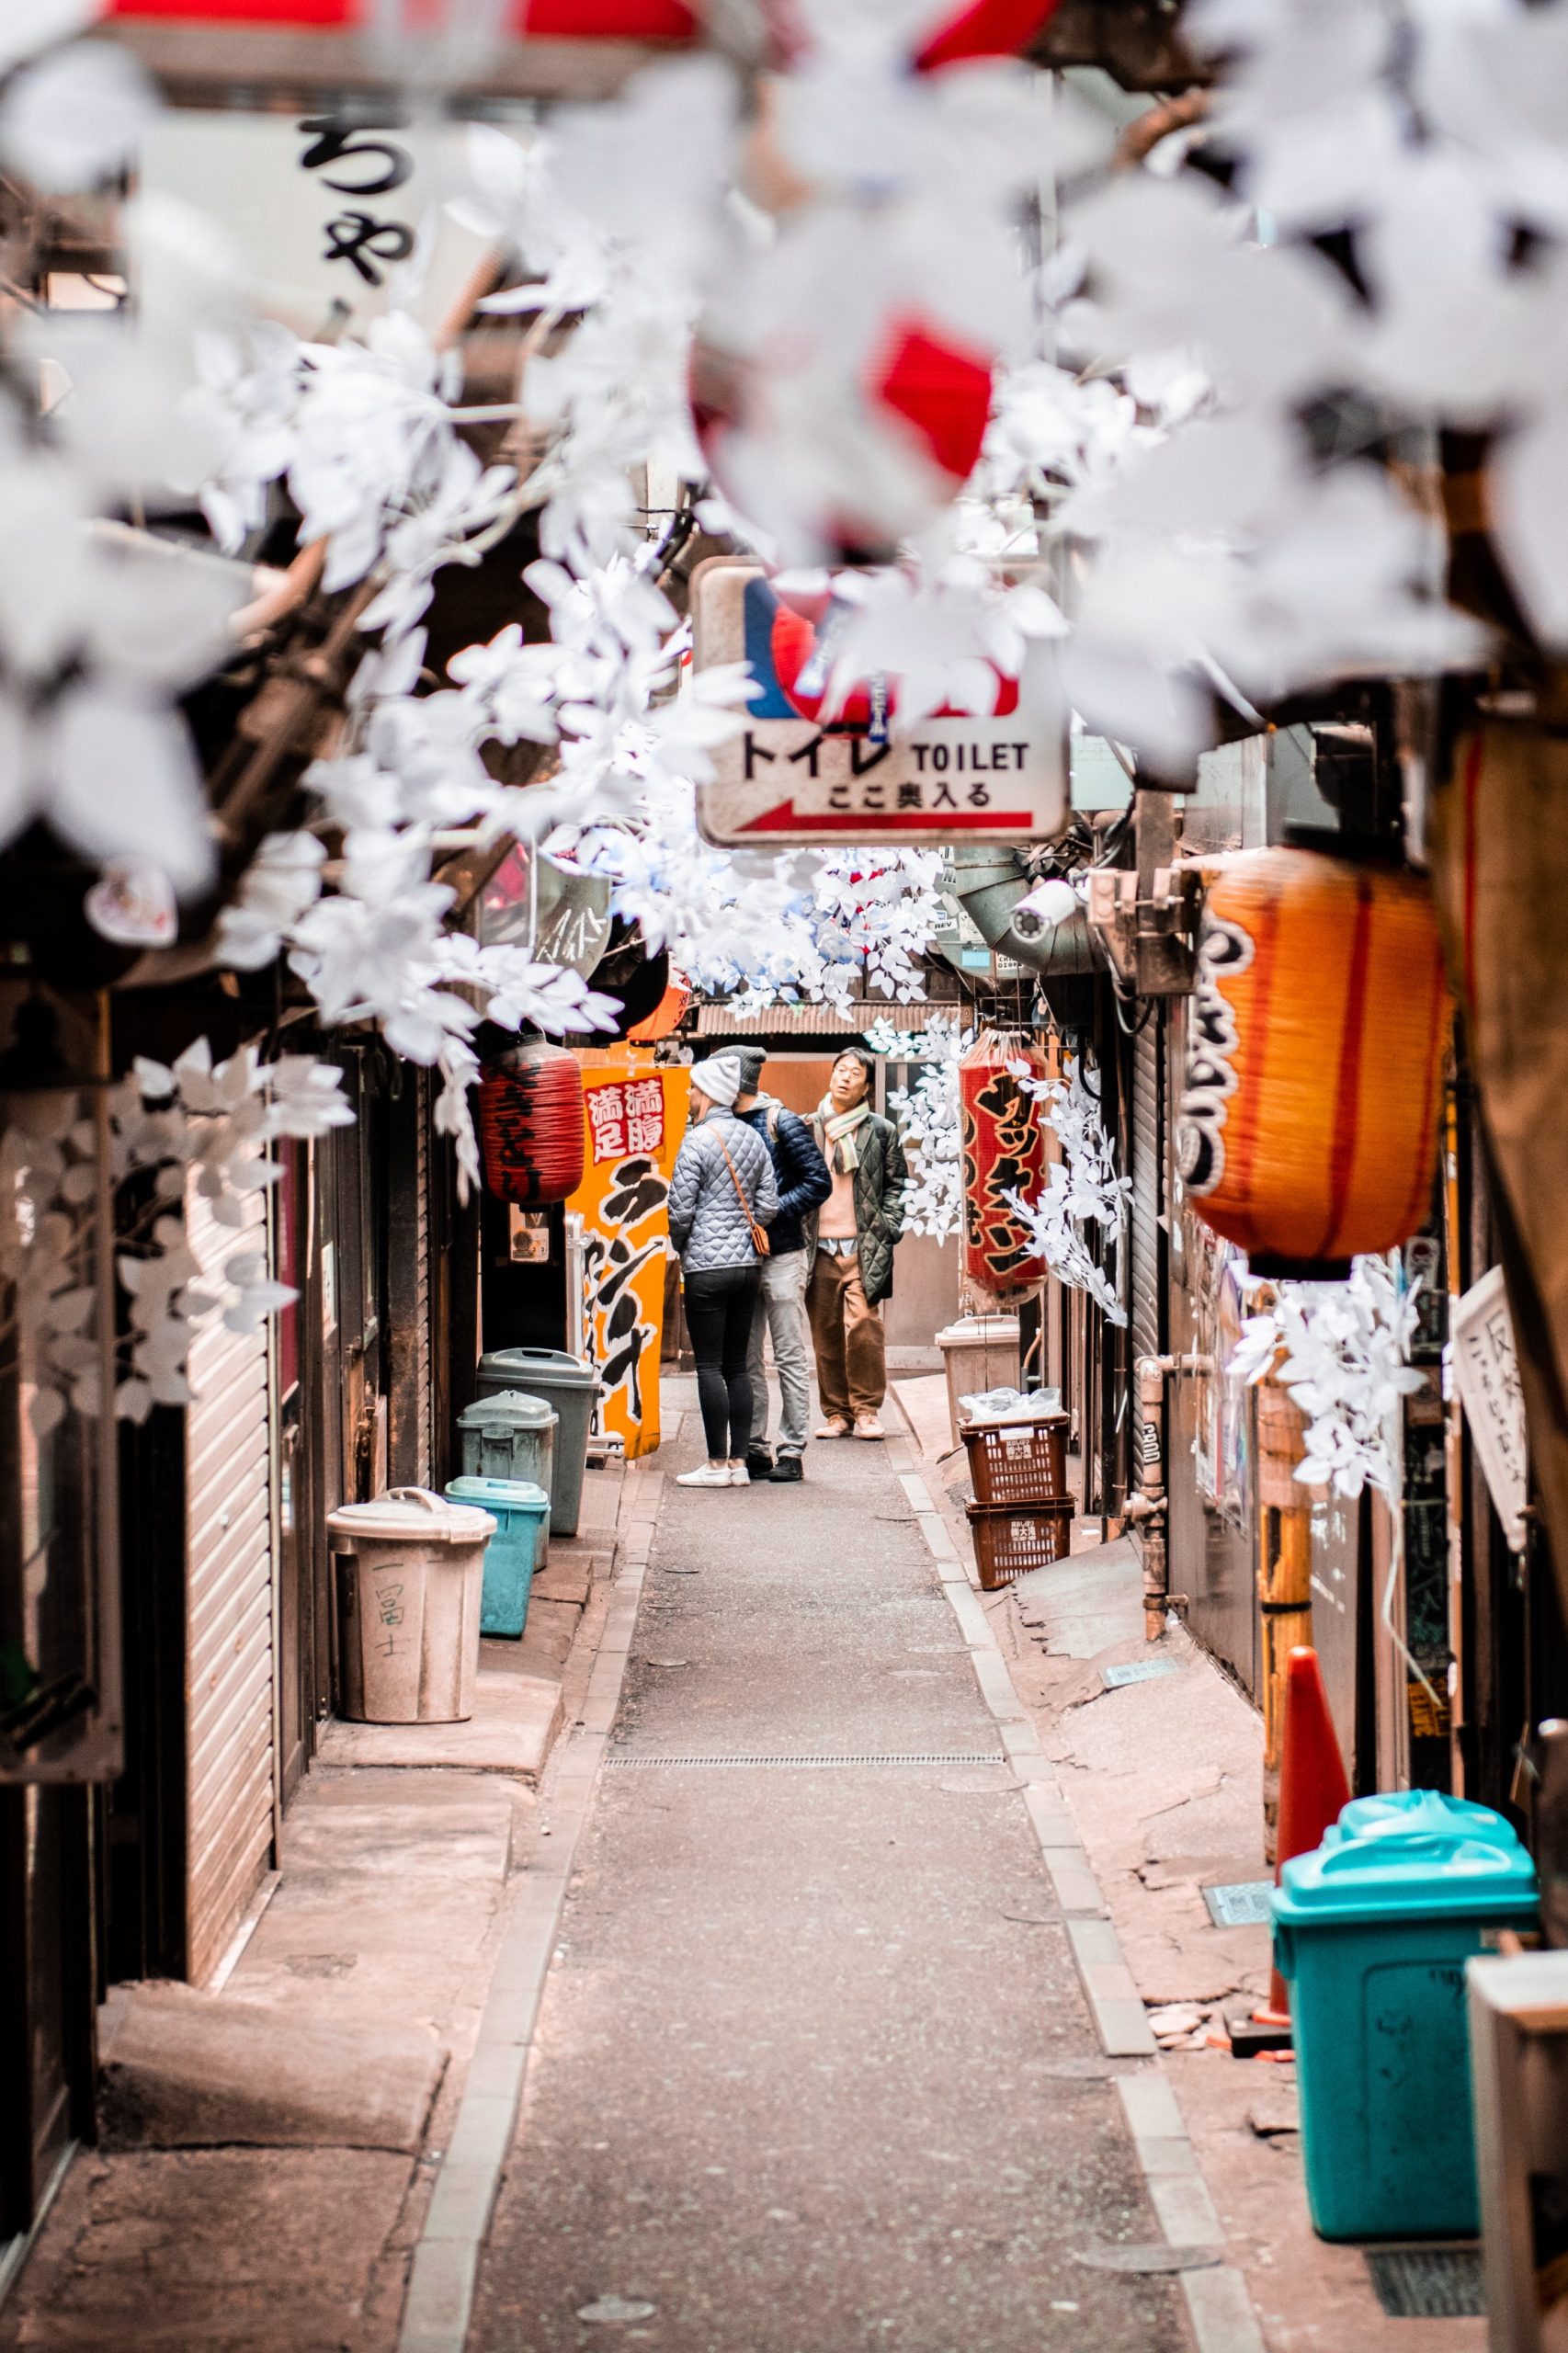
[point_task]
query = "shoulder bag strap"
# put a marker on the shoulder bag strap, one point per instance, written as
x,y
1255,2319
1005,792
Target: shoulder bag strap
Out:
x,y
758,1233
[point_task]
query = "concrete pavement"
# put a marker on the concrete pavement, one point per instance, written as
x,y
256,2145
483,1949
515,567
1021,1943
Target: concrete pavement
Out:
x,y
814,2070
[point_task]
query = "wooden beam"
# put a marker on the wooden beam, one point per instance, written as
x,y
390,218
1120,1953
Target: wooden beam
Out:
x,y
269,68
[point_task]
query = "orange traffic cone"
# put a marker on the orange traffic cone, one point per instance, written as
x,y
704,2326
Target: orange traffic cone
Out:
x,y
1314,1788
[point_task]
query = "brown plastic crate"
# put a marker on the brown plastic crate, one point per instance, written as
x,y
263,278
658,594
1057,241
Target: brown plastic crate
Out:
x,y
1017,1462
1012,1539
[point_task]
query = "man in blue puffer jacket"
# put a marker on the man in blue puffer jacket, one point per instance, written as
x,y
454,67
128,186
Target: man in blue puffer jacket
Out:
x,y
803,1184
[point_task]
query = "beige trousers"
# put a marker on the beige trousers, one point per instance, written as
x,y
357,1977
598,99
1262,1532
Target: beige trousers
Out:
x,y
846,1333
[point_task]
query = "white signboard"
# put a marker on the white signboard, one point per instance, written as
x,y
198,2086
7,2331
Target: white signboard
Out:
x,y
326,213
860,777
1486,1374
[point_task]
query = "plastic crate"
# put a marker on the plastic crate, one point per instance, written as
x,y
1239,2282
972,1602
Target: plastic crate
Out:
x,y
1017,1462
1012,1539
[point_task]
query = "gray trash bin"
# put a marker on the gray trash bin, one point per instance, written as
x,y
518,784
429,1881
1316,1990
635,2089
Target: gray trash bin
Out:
x,y
508,1435
411,1577
573,1388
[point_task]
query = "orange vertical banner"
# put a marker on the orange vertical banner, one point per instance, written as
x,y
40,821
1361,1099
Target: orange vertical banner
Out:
x,y
636,1116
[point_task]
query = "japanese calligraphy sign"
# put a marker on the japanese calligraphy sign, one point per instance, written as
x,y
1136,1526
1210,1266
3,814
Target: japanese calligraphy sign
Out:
x,y
1486,1374
323,211
625,1117
636,1118
1004,1151
859,777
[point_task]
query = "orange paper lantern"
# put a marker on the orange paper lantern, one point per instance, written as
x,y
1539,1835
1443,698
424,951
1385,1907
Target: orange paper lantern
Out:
x,y
1308,1126
665,1018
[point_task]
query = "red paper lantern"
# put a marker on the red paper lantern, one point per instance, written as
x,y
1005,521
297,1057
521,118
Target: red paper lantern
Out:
x,y
653,20
983,29
532,1125
920,388
1004,1151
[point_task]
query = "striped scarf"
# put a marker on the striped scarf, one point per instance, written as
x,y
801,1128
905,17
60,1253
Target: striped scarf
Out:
x,y
839,1128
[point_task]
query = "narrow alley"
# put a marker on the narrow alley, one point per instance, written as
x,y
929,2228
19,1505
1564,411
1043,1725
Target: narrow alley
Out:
x,y
783,1176
815,2068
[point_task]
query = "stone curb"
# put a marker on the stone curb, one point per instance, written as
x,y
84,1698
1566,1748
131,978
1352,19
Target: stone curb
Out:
x,y
445,2269
1219,2305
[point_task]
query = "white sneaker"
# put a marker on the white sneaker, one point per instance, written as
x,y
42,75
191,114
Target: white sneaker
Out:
x,y
709,1475
739,1475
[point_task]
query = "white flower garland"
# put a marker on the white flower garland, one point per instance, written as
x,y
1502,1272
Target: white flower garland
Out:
x,y
1082,1189
1341,1351
168,1125
929,1118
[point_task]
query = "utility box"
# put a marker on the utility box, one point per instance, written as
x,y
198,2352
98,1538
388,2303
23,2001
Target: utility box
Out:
x,y
1373,1931
411,1569
515,1553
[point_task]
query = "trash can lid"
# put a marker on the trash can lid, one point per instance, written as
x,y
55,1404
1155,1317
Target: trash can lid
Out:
x,y
413,1512
1412,1854
498,1494
553,1366
1393,1813
969,1329
507,1409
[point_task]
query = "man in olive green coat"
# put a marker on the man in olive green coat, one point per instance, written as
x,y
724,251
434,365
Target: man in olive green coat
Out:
x,y
851,1240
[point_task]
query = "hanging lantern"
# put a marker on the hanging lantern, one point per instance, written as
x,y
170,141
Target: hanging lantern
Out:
x,y
667,1016
1004,1151
877,436
533,1129
1308,1125
983,28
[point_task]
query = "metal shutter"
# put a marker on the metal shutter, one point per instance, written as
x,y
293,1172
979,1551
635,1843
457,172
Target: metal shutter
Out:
x,y
422,1286
229,1636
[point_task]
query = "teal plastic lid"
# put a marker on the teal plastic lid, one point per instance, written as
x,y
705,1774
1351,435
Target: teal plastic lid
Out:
x,y
1410,1855
1425,1808
498,1494
507,1409
553,1366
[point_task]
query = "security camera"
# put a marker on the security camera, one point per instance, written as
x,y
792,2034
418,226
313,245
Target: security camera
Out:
x,y
1047,905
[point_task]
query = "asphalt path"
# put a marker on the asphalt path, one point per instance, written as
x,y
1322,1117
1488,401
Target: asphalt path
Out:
x,y
814,2071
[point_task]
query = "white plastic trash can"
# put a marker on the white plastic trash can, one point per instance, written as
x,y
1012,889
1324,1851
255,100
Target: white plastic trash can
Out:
x,y
410,1589
978,1352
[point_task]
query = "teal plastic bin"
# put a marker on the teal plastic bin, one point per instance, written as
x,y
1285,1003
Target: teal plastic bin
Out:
x,y
573,1388
508,1435
521,1513
1371,1932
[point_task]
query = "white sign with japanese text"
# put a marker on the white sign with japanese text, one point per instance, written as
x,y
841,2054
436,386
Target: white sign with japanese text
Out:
x,y
1486,1375
860,776
323,212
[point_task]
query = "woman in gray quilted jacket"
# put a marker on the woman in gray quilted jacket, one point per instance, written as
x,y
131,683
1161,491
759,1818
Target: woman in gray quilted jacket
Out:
x,y
721,1192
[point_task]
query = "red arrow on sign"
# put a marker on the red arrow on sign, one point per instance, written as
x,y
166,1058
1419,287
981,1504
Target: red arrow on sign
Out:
x,y
786,818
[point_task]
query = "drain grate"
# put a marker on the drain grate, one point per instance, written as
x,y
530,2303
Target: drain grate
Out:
x,y
1140,1670
1428,2282
1240,1904
913,1756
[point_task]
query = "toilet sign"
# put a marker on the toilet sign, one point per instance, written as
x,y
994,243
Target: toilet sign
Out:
x,y
955,776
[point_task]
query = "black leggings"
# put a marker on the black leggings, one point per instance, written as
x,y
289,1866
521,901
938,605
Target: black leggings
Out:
x,y
720,1304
